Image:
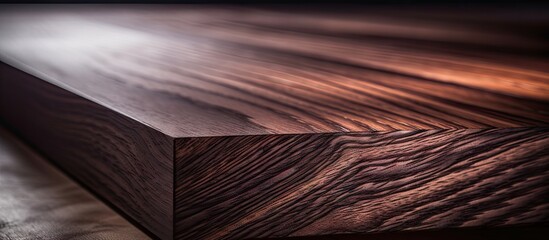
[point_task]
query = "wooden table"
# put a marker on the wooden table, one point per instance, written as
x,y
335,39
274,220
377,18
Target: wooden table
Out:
x,y
223,122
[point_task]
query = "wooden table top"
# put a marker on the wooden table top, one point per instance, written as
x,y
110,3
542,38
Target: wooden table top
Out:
x,y
195,71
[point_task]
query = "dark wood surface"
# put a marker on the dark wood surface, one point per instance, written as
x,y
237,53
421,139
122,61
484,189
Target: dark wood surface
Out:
x,y
258,121
302,185
38,202
125,162
485,233
205,71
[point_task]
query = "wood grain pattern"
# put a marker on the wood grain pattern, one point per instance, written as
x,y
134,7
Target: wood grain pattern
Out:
x,y
287,122
122,160
38,202
194,72
488,233
295,185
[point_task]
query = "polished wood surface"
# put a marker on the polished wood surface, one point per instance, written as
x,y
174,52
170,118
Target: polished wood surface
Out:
x,y
207,71
224,122
38,202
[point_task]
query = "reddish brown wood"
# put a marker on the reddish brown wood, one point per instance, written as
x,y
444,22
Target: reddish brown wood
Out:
x,y
206,71
224,122
320,184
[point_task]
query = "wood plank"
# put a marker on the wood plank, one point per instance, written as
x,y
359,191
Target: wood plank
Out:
x,y
246,121
38,202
